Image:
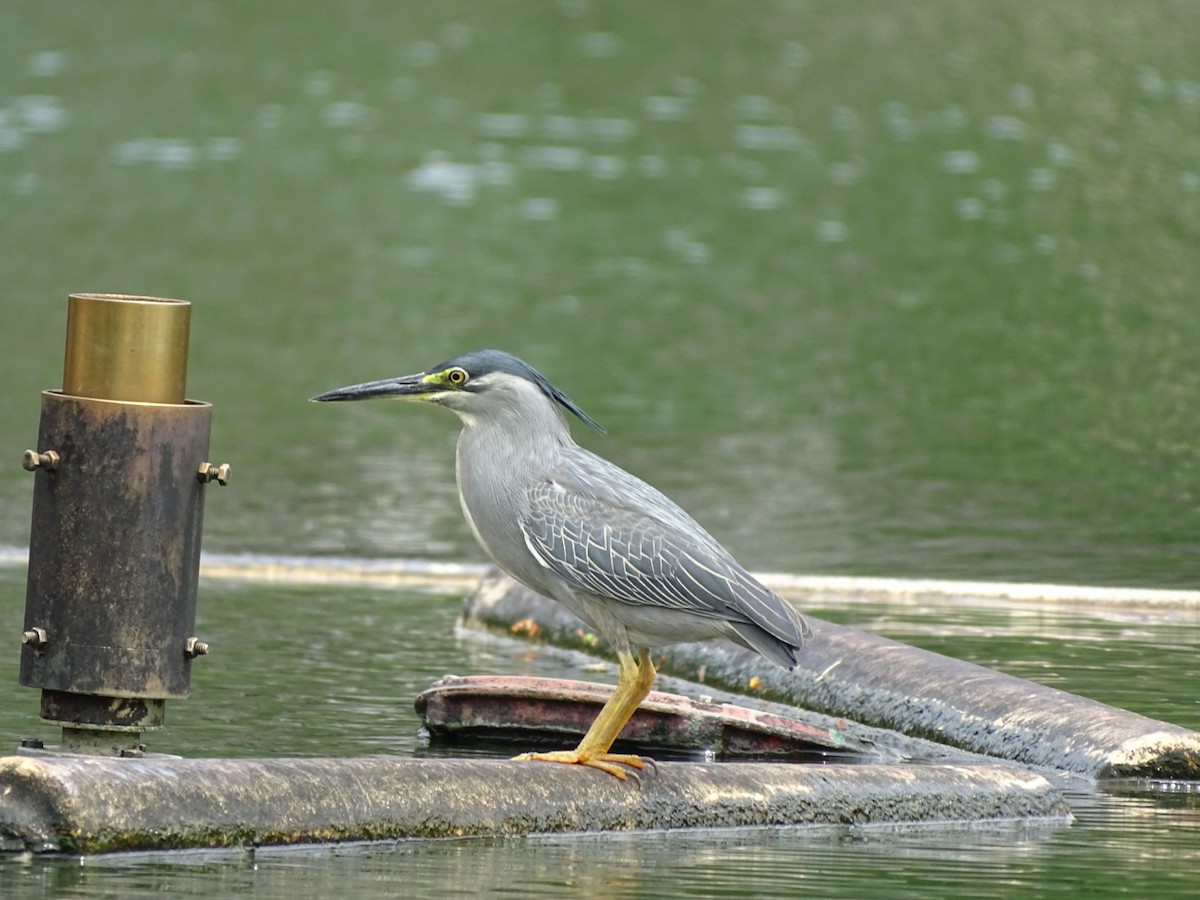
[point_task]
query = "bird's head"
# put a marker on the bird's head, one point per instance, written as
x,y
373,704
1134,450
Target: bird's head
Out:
x,y
474,384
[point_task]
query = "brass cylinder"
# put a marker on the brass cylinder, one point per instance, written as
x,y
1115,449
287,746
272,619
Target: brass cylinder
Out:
x,y
114,548
131,349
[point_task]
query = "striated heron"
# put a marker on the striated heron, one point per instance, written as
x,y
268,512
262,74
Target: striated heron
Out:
x,y
616,552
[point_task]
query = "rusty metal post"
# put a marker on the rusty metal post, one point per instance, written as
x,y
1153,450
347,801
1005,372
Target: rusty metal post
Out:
x,y
114,549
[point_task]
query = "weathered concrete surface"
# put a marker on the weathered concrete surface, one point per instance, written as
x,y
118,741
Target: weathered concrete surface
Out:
x,y
850,673
524,709
104,805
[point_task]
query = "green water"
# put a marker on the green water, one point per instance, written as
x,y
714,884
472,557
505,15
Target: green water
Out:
x,y
332,671
902,290
874,289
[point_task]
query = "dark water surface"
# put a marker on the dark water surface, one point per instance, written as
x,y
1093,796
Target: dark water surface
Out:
x,y
898,289
332,671
871,289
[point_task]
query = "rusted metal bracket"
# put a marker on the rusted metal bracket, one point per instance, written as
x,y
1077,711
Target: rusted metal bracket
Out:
x,y
537,710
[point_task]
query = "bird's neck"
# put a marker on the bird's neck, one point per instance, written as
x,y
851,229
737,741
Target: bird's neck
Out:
x,y
495,466
508,447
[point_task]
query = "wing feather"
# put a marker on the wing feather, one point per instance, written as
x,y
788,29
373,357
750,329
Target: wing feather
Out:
x,y
600,545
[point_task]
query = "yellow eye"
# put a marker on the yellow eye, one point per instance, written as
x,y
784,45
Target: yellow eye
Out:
x,y
457,377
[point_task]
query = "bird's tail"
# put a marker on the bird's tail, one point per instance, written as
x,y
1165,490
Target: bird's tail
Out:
x,y
780,650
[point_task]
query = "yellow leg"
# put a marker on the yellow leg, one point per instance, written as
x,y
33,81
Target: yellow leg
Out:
x,y
634,679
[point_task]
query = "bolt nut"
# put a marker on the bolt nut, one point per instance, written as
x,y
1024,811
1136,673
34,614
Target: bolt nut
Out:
x,y
31,460
208,472
194,647
35,637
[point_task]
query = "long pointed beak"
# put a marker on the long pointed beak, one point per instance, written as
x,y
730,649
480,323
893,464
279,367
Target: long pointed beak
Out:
x,y
404,386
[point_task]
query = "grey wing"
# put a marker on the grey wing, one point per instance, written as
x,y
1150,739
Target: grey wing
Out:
x,y
605,548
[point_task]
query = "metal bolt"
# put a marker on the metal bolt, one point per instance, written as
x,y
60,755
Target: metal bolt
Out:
x,y
194,647
208,472
32,460
35,637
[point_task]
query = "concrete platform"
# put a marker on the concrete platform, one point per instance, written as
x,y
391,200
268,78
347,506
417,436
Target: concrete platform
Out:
x,y
85,806
850,673
857,684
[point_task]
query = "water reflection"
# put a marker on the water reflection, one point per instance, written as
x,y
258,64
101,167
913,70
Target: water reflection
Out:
x,y
768,863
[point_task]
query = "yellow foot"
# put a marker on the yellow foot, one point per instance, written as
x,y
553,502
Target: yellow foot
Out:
x,y
605,762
